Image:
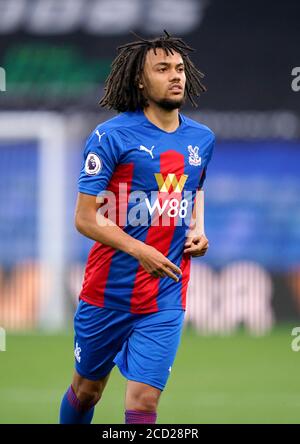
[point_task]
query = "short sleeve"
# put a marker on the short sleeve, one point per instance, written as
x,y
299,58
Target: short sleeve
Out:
x,y
101,156
208,158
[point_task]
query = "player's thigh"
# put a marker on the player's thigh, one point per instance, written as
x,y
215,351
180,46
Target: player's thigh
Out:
x,y
148,354
99,335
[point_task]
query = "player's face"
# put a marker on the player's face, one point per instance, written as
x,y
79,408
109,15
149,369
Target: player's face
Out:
x,y
164,79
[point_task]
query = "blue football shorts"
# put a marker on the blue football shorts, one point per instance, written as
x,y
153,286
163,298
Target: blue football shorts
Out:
x,y
143,346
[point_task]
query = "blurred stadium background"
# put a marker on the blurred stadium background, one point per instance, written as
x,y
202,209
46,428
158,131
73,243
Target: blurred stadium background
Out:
x,y
236,362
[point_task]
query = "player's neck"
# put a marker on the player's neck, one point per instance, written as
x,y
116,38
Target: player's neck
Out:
x,y
164,119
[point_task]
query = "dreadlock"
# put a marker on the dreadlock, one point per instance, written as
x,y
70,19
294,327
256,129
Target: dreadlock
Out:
x,y
121,86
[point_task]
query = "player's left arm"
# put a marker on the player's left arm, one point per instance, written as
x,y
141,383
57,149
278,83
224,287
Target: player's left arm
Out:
x,y
196,242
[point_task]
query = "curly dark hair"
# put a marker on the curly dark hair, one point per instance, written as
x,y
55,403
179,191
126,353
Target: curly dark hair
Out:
x,y
121,91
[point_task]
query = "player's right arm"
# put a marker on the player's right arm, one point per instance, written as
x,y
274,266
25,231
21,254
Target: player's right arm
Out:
x,y
92,224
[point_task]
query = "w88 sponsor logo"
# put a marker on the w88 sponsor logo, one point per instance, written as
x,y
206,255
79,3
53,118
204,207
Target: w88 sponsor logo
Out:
x,y
175,207
134,208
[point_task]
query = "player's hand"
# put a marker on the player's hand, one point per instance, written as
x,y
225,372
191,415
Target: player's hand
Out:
x,y
196,245
156,264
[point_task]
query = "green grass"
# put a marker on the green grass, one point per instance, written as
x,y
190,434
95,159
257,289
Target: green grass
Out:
x,y
235,379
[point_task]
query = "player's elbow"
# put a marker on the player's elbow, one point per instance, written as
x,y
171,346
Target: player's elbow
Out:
x,y
79,223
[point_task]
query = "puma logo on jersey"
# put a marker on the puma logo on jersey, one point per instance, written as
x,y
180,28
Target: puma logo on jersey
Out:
x,y
143,148
99,135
